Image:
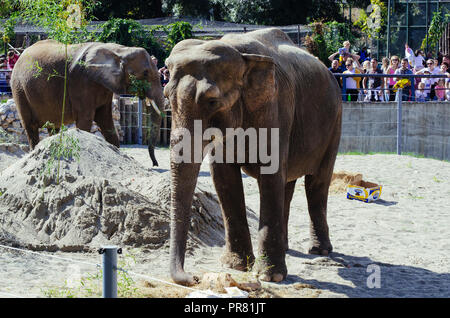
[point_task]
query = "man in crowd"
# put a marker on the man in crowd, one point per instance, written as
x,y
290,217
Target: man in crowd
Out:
x,y
335,68
404,70
373,86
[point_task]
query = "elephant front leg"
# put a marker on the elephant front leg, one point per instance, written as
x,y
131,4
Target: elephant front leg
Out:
x,y
238,249
271,263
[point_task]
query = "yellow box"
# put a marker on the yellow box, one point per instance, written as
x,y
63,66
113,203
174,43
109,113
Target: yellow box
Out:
x,y
364,191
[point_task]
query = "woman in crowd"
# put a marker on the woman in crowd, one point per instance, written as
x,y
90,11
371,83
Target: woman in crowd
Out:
x,y
389,81
352,83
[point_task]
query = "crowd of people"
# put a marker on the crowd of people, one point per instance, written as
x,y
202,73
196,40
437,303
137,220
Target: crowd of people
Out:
x,y
385,88
6,65
163,72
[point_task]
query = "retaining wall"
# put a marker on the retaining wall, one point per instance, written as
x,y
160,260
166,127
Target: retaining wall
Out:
x,y
372,127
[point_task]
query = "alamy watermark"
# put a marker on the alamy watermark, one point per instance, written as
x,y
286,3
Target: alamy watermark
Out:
x,y
190,149
374,279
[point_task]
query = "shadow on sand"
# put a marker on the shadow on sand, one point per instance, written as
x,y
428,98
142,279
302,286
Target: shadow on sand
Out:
x,y
394,280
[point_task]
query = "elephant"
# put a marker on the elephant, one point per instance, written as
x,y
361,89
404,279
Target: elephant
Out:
x,y
256,80
94,72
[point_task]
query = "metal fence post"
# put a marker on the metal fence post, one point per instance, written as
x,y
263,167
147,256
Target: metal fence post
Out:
x,y
109,264
399,121
139,132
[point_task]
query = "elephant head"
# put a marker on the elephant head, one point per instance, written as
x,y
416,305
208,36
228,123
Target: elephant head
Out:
x,y
113,65
212,82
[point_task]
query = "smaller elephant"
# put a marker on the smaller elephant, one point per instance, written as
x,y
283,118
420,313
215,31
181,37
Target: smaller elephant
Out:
x,y
94,72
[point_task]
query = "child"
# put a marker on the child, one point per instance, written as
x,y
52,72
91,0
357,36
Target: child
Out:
x,y
440,90
427,82
421,94
447,94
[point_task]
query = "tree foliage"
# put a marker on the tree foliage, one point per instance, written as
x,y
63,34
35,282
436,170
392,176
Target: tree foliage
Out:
x,y
129,9
326,38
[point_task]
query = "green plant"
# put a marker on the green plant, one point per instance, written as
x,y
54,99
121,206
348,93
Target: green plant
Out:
x,y
374,23
64,148
130,33
436,29
175,32
138,87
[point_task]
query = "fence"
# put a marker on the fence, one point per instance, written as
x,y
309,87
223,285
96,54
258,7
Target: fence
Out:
x,y
409,90
5,75
108,268
136,122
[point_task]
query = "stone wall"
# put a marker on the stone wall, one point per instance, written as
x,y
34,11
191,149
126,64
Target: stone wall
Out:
x,y
11,124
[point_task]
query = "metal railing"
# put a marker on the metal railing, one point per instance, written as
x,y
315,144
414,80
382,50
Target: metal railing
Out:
x,y
5,75
409,90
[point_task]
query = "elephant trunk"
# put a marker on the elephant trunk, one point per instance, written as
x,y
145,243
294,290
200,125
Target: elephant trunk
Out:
x,y
184,179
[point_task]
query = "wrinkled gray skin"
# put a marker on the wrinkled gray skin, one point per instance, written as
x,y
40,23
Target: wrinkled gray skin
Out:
x,y
259,79
95,71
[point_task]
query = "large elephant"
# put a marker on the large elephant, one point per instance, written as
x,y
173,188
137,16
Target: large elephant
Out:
x,y
260,79
95,71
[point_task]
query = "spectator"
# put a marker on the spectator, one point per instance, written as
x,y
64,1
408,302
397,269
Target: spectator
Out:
x,y
444,69
440,90
363,55
154,60
427,84
4,87
447,94
446,59
416,59
366,66
389,82
11,59
374,86
336,69
421,93
166,77
352,83
384,69
431,67
404,83
344,54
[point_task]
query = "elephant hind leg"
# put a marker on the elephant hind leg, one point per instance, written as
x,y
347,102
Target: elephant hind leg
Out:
x,y
103,118
29,121
288,193
316,187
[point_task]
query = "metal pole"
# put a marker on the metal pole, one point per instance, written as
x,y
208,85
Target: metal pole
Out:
x,y
109,263
399,121
139,133
388,40
426,25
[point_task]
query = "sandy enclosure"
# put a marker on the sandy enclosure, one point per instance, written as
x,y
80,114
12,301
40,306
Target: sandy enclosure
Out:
x,y
395,247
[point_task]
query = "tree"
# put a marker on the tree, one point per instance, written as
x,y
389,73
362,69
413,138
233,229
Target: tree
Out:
x,y
130,9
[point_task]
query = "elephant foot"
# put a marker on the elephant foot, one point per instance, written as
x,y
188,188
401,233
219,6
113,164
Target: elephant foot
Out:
x,y
185,279
321,249
268,272
238,262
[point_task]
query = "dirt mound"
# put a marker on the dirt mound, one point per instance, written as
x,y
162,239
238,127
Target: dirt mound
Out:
x,y
105,197
341,179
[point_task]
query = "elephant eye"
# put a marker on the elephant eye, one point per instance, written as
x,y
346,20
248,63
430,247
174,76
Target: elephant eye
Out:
x,y
213,103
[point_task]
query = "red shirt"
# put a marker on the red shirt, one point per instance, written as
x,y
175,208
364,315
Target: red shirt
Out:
x,y
10,62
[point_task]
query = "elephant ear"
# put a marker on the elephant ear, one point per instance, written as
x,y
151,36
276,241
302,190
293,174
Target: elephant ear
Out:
x,y
259,81
102,66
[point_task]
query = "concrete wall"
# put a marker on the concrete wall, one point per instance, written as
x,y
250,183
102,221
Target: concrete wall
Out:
x,y
372,127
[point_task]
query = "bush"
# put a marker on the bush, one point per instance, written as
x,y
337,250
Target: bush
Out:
x,y
130,33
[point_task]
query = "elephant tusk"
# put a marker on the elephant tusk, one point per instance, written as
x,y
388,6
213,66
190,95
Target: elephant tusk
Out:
x,y
155,107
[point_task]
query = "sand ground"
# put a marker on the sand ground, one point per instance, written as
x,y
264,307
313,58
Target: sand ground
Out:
x,y
394,247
